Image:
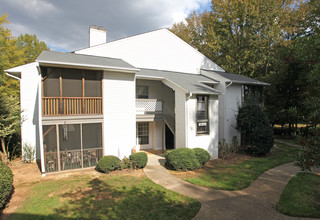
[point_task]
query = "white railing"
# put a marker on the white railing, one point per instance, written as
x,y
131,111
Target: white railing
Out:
x,y
148,105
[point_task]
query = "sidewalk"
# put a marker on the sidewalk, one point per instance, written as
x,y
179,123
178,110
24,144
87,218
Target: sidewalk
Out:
x,y
255,202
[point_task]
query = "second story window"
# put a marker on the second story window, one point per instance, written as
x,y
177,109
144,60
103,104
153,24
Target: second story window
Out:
x,y
202,115
142,92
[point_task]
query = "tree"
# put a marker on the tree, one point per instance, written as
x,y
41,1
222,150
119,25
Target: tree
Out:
x,y
10,56
242,36
9,122
254,126
192,30
31,46
13,52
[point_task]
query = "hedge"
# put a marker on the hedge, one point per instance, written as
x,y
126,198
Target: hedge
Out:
x,y
109,163
139,159
202,155
6,180
182,159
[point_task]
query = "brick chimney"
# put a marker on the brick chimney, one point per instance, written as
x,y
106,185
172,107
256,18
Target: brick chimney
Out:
x,y
97,35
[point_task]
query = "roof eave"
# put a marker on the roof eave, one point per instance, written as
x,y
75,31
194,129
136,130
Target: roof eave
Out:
x,y
250,83
89,66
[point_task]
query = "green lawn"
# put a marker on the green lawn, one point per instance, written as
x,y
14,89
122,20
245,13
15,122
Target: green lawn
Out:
x,y
105,197
240,175
301,197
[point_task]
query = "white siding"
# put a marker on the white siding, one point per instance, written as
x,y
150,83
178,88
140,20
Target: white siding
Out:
x,y
119,113
154,88
158,128
208,142
29,99
159,49
233,101
180,116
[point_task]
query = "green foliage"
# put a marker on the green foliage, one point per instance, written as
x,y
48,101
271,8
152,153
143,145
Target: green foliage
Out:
x,y
301,196
202,155
6,179
109,163
139,159
126,163
242,36
13,52
255,129
9,122
225,149
31,46
28,153
310,156
182,159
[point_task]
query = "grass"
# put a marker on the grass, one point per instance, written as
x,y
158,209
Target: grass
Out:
x,y
105,197
238,176
301,197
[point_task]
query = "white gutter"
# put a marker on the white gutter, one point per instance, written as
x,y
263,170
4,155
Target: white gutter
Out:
x,y
229,84
15,77
190,94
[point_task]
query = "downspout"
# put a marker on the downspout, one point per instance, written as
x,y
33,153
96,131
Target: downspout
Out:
x,y
186,118
43,169
230,83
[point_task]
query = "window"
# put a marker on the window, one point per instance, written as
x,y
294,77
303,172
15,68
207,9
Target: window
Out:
x,y
253,92
143,133
202,115
142,92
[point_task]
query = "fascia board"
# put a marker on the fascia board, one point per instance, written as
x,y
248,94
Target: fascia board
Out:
x,y
107,68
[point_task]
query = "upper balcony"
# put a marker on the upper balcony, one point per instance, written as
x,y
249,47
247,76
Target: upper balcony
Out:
x,y
147,106
71,92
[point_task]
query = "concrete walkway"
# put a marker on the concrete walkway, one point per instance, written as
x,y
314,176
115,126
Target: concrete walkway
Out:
x,y
255,202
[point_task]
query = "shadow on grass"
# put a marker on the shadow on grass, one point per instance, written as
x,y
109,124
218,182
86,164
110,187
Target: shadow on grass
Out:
x,y
102,201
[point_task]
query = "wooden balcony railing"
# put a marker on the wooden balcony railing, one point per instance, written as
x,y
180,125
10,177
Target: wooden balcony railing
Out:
x,y
52,106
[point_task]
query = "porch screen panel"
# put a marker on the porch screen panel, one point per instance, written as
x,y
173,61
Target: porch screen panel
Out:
x,y
93,84
92,144
71,83
50,147
51,82
70,146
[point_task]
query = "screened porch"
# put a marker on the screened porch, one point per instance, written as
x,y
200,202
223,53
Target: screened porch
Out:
x,y
72,146
71,91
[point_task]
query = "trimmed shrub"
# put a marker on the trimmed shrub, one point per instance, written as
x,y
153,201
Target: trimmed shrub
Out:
x,y
109,163
6,179
139,159
126,163
257,134
202,155
182,159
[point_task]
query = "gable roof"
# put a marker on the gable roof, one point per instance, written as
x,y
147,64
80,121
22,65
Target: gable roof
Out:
x,y
191,83
159,49
51,58
234,78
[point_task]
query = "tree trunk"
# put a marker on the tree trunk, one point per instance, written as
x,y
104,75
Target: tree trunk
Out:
x,y
5,153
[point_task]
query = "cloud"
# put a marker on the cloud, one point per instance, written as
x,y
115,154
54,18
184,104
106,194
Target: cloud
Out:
x,y
65,24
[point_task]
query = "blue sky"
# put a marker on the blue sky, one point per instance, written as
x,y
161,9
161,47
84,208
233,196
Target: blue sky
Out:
x,y
64,24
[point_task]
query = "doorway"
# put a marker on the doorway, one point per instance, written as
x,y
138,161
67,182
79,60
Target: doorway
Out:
x,y
169,138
